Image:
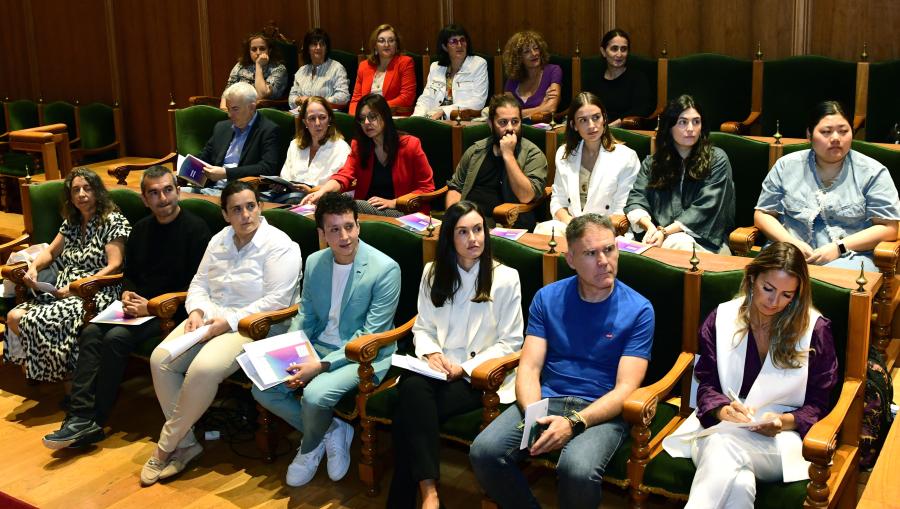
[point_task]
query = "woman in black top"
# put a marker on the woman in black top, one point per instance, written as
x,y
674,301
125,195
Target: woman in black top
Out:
x,y
624,91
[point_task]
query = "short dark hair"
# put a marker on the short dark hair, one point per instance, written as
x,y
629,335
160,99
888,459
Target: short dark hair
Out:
x,y
451,30
234,187
313,36
615,32
579,225
501,100
444,276
822,110
154,172
336,204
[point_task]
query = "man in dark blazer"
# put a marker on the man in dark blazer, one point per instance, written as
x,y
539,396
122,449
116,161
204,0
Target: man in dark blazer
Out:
x,y
246,145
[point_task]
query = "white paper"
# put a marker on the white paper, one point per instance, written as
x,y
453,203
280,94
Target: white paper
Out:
x,y
728,425
416,365
256,356
181,344
533,412
114,314
45,287
244,361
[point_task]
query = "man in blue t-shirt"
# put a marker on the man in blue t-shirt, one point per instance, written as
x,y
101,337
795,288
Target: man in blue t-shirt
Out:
x,y
586,349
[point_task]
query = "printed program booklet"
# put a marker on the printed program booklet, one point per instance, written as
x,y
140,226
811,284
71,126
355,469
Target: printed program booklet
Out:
x,y
266,361
190,168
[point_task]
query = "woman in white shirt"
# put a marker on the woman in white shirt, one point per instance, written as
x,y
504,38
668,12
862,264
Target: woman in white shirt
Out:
x,y
248,267
318,151
470,311
457,81
593,173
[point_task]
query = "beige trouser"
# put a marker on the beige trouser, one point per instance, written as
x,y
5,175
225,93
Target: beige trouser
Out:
x,y
187,384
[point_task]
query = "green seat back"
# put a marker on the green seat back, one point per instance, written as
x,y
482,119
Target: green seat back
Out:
x,y
301,229
23,114
883,110
525,259
437,142
793,85
649,67
536,136
207,211
97,125
14,163
287,125
46,206
346,124
490,70
565,95
472,133
592,69
417,63
749,166
404,247
795,147
194,127
61,112
130,204
2,118
888,157
291,60
722,85
638,142
350,61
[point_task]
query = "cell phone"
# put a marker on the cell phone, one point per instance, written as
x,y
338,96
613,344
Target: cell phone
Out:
x,y
536,430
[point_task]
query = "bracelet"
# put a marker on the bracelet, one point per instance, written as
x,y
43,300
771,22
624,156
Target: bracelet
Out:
x,y
662,229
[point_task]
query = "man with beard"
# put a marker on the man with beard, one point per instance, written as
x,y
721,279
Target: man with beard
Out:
x,y
503,168
161,256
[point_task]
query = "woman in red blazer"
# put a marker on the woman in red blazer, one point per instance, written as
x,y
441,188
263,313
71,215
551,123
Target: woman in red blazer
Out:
x,y
392,74
384,164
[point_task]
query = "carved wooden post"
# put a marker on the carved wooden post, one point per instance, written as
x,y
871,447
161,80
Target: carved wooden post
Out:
x,y
368,467
640,453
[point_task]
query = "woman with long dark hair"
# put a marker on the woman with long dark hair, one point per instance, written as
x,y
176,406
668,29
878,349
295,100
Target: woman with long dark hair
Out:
x,y
470,311
767,363
683,194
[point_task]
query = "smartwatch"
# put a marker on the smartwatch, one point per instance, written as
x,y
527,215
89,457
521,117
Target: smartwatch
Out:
x,y
842,249
577,423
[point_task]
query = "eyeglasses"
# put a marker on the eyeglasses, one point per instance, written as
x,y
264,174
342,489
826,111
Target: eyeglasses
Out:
x,y
456,41
317,44
371,117
386,42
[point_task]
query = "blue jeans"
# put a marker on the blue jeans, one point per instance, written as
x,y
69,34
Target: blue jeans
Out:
x,y
582,461
313,413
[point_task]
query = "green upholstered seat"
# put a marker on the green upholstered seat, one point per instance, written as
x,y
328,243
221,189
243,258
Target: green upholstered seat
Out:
x,y
795,147
638,142
527,260
883,108
793,85
97,129
722,85
346,124
61,112
207,211
472,133
749,166
194,127
490,71
417,62
130,204
46,206
436,138
301,229
23,114
565,95
350,61
291,60
14,163
287,125
649,67
536,136
888,157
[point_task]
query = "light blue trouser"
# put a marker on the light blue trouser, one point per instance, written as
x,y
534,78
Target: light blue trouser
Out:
x,y
312,414
853,263
495,453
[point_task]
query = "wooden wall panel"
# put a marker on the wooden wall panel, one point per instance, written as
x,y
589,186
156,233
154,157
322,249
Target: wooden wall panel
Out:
x,y
350,23
71,42
231,20
840,27
15,78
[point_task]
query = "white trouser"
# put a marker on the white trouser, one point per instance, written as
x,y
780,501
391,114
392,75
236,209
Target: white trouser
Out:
x,y
684,242
728,464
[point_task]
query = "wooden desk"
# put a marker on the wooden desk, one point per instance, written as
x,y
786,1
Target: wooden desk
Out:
x,y
883,491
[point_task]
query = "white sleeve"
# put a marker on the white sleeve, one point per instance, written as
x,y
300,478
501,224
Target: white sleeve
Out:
x,y
425,328
429,101
627,175
559,198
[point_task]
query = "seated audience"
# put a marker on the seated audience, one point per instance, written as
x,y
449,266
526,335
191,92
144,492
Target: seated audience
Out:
x,y
593,173
351,289
625,91
248,267
470,311
318,151
321,76
765,356
161,256
42,334
386,72
458,80
384,163
534,82
585,379
683,193
259,66
833,203
246,145
502,168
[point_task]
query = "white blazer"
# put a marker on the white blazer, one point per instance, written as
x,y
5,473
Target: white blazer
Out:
x,y
774,390
495,328
470,88
328,160
612,177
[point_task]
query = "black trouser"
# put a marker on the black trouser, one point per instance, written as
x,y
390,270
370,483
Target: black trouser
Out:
x,y
103,352
424,404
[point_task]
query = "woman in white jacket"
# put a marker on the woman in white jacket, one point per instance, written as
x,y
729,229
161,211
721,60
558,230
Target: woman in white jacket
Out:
x,y
470,311
593,173
457,81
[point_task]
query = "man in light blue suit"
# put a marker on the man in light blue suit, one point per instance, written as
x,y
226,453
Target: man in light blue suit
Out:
x,y
349,289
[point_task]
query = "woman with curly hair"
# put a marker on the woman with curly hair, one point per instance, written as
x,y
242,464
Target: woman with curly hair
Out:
x,y
534,81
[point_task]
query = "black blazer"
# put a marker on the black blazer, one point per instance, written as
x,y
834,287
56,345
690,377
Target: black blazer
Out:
x,y
259,156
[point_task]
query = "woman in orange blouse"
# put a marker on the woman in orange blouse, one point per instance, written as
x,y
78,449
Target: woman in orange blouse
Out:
x,y
386,72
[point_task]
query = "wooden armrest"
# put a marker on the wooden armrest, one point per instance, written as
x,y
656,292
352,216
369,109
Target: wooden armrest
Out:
x,y
15,272
464,114
165,305
886,255
87,287
620,223
365,348
256,326
413,202
121,172
98,150
740,127
256,181
21,242
640,405
821,439
207,100
742,239
537,118
637,122
507,213
490,374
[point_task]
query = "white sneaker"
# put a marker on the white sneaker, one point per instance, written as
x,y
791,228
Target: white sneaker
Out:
x,y
337,446
304,466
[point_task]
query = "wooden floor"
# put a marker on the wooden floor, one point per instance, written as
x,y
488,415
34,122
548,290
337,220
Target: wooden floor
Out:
x,y
107,476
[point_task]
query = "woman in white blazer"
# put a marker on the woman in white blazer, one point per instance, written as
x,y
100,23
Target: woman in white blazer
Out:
x,y
767,362
593,173
470,311
457,81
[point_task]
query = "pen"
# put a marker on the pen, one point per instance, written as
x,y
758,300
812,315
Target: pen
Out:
x,y
734,397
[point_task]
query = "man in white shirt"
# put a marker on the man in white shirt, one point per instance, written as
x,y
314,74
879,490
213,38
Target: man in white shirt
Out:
x,y
350,289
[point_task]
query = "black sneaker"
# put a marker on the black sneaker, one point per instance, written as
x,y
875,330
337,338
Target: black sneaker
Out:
x,y
75,432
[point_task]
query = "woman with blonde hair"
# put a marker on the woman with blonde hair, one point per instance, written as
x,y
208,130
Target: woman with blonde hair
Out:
x,y
387,73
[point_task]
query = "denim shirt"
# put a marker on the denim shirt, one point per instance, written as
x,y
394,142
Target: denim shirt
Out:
x,y
862,191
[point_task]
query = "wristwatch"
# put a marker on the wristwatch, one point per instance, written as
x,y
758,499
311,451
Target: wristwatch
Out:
x,y
842,249
577,423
